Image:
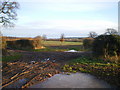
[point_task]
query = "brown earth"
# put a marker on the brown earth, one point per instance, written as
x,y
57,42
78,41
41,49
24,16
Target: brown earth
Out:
x,y
78,47
32,67
59,57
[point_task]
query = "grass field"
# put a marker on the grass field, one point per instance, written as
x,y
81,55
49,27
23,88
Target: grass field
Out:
x,y
58,43
51,49
60,46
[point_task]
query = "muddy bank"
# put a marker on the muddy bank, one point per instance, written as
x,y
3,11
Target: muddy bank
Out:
x,y
22,75
34,67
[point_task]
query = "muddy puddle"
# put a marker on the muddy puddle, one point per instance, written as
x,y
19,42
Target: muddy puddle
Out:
x,y
75,80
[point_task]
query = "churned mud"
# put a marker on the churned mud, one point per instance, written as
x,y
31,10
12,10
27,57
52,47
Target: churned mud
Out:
x,y
34,67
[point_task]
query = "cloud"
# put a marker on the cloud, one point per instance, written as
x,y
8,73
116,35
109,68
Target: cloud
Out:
x,y
73,24
31,20
54,28
67,1
83,7
68,5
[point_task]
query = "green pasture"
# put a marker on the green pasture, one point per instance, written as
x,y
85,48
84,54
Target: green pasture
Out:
x,y
50,49
58,43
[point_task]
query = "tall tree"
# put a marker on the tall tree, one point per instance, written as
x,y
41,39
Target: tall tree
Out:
x,y
7,17
44,37
8,12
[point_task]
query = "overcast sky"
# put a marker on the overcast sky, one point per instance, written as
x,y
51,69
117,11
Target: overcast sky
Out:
x,y
74,18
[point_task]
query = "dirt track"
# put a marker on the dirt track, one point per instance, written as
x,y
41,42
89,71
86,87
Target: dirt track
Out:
x,y
23,70
57,56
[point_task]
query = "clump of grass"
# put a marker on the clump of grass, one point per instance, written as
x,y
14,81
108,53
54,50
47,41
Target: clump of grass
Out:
x,y
68,74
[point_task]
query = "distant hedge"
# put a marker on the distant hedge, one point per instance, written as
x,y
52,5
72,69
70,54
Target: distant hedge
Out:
x,y
20,44
106,46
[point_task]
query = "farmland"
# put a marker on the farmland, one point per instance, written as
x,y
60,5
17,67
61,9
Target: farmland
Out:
x,y
58,43
59,62
60,46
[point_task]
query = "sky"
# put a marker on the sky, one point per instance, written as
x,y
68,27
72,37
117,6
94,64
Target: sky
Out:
x,y
74,18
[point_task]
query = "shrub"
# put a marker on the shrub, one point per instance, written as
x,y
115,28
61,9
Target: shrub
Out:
x,y
20,44
37,43
28,44
4,52
106,46
3,44
24,44
87,43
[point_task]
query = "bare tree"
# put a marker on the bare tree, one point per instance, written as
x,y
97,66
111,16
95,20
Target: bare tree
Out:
x,y
7,17
111,31
92,34
62,38
8,12
44,37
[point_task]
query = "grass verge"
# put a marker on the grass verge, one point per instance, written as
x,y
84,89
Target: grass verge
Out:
x,y
107,71
11,57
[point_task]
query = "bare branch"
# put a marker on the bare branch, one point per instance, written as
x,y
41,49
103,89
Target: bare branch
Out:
x,y
92,34
8,12
111,31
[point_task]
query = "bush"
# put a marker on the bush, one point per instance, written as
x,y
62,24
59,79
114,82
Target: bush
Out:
x,y
87,43
20,44
4,52
2,42
3,49
37,43
106,46
24,44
